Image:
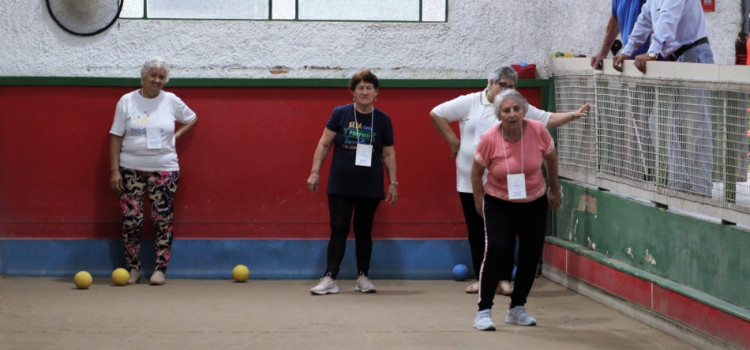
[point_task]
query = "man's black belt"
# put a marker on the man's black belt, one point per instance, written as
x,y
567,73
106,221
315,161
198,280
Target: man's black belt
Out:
x,y
675,55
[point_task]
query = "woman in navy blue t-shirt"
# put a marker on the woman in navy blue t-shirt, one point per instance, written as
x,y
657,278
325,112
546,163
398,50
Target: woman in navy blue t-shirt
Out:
x,y
362,138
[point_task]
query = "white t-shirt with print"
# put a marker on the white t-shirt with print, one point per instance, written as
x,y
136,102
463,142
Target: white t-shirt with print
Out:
x,y
475,115
134,115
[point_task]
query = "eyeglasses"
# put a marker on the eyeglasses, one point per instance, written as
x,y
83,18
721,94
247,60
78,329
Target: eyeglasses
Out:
x,y
506,86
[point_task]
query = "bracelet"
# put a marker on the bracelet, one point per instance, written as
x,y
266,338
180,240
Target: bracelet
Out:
x,y
394,182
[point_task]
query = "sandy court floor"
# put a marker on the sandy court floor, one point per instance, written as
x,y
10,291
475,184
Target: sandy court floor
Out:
x,y
45,313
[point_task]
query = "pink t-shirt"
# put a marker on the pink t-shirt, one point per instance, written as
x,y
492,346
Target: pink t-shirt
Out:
x,y
536,142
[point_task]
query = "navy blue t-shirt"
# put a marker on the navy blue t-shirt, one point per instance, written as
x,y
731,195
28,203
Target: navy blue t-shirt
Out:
x,y
346,178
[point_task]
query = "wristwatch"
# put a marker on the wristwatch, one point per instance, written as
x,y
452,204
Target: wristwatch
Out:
x,y
394,182
652,55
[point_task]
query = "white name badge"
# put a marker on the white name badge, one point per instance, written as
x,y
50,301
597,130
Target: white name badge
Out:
x,y
364,155
516,186
153,138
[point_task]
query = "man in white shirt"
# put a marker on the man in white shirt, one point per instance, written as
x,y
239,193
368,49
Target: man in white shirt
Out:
x,y
678,33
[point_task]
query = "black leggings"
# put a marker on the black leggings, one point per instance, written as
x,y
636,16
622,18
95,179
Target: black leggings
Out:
x,y
340,209
503,220
475,228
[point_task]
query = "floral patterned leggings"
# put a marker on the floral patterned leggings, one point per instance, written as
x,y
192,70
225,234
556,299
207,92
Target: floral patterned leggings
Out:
x,y
161,187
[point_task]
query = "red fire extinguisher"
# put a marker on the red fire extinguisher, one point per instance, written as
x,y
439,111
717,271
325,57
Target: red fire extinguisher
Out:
x,y
740,49
708,5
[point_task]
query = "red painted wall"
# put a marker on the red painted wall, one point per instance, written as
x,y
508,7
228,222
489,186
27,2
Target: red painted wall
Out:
x,y
244,166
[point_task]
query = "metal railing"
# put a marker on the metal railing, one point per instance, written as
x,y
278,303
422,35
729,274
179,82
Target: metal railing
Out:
x,y
676,136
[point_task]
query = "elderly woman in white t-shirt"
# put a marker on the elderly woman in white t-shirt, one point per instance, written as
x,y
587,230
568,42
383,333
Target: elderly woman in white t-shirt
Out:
x,y
143,160
475,114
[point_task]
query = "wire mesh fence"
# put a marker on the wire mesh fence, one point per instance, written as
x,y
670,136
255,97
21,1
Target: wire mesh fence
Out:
x,y
678,142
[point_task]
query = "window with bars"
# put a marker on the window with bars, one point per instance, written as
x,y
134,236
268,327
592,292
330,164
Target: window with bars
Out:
x,y
300,10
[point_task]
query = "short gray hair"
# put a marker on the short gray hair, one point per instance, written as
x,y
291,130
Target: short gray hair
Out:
x,y
505,72
510,94
154,62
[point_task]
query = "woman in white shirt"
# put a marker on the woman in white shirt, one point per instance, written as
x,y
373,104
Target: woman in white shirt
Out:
x,y
143,160
476,114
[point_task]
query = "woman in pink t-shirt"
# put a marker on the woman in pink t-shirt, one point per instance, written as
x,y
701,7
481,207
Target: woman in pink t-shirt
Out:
x,y
513,201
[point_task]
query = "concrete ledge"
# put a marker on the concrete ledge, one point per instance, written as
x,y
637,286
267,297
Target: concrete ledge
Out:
x,y
641,314
681,311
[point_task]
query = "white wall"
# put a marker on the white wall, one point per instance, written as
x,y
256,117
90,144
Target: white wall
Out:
x,y
479,36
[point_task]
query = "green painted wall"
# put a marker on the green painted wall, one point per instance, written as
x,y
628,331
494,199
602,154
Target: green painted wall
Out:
x,y
697,255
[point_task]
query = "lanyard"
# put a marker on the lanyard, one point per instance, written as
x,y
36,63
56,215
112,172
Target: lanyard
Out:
x,y
372,124
502,135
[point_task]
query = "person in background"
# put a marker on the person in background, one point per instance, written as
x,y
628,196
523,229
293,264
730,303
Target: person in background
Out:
x,y
621,21
513,202
362,140
475,114
143,160
637,99
678,33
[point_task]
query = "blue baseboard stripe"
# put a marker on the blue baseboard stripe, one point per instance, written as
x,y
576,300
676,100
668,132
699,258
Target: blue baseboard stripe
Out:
x,y
214,259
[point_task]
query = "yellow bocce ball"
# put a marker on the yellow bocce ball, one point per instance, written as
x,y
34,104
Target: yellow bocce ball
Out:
x,y
240,273
82,280
120,276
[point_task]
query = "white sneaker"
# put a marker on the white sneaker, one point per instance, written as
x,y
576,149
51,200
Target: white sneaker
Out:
x,y
327,285
505,288
157,278
364,285
483,321
473,288
135,276
517,315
